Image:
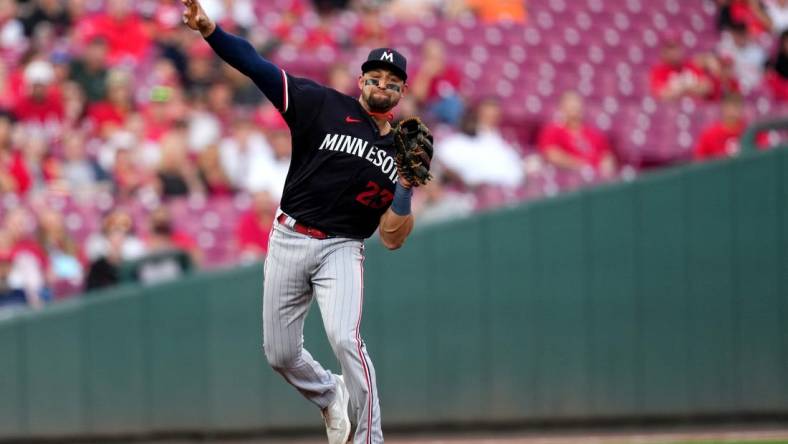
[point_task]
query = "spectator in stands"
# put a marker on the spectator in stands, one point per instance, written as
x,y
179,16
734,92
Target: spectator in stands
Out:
x,y
201,69
11,295
244,92
14,173
752,14
369,31
163,235
572,144
62,251
28,259
8,95
219,101
212,175
12,35
74,106
676,76
493,11
118,158
244,154
285,29
748,56
166,20
127,36
231,14
321,35
61,63
108,115
41,103
41,164
777,70
49,12
160,113
777,10
436,84
90,70
272,174
107,250
479,155
205,128
254,227
719,71
78,172
721,138
177,175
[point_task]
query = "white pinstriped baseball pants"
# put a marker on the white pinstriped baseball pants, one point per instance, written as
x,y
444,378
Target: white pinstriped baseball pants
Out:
x,y
299,268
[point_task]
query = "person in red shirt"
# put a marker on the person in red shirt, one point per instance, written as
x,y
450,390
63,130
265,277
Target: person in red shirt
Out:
x,y
157,113
369,30
719,70
108,115
254,227
751,13
14,174
42,102
436,85
674,76
321,35
126,34
572,144
721,138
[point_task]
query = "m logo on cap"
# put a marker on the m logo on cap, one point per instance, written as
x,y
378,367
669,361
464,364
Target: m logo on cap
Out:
x,y
387,56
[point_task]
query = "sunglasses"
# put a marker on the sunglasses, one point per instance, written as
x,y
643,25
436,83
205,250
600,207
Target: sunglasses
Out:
x,y
396,87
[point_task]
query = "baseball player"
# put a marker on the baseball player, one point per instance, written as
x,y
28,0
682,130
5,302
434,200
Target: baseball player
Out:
x,y
348,176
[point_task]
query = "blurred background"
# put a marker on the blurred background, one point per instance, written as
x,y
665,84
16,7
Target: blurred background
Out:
x,y
584,148
121,133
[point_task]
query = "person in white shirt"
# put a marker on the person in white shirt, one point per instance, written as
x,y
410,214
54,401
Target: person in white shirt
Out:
x,y
748,56
273,173
777,10
479,155
244,155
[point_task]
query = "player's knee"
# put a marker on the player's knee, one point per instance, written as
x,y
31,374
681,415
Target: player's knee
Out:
x,y
281,359
345,343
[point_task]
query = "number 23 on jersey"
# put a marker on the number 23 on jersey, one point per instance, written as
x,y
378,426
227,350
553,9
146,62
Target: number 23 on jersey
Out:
x,y
374,196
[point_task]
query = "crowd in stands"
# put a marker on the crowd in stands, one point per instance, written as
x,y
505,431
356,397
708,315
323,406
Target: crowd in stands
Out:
x,y
122,134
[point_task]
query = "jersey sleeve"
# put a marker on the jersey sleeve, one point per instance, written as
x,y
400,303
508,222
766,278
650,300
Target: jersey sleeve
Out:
x,y
303,100
242,56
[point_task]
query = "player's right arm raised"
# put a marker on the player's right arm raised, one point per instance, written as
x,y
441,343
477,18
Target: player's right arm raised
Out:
x,y
238,53
195,17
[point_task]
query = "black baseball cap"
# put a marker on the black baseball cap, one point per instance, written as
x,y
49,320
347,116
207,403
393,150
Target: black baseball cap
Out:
x,y
386,58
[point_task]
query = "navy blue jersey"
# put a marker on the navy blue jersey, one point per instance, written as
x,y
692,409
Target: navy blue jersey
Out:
x,y
342,173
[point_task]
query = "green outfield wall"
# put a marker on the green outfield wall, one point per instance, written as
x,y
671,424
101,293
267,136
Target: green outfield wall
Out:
x,y
663,297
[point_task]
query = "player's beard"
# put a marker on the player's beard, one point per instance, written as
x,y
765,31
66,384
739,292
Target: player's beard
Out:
x,y
380,103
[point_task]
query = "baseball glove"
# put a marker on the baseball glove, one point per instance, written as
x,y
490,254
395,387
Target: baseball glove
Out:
x,y
413,143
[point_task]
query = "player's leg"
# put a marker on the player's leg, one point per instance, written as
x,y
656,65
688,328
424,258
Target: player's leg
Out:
x,y
286,299
339,289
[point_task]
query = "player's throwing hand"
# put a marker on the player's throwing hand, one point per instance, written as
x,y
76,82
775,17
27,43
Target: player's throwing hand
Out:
x,y
195,17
